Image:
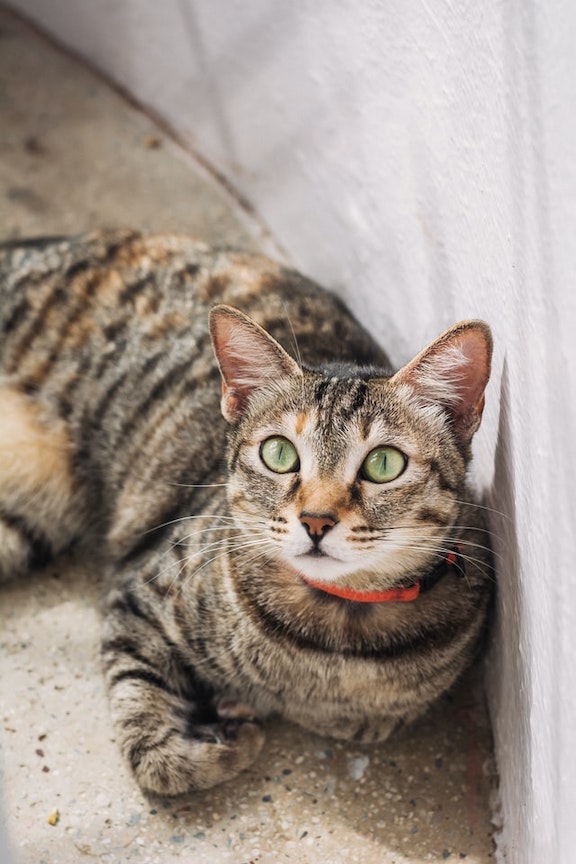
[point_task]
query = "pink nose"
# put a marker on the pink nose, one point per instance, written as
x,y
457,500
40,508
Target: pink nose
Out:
x,y
317,524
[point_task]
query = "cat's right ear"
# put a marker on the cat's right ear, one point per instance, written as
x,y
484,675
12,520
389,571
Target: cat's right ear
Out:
x,y
453,372
248,357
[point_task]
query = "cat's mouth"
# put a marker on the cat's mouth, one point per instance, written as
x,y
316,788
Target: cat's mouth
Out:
x,y
315,563
315,552
319,555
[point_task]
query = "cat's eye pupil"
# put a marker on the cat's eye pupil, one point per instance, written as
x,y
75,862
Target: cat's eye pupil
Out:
x,y
383,464
279,455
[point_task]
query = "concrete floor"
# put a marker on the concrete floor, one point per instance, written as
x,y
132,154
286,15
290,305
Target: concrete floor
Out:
x,y
74,155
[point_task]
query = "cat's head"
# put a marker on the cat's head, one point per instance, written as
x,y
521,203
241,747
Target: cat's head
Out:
x,y
349,478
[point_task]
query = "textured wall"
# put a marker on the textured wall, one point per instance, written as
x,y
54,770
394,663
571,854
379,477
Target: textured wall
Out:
x,y
418,157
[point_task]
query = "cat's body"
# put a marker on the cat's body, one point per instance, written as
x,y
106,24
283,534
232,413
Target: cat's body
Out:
x,y
220,611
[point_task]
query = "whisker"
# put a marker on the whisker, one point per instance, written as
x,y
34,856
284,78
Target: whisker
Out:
x,y
454,538
481,565
198,485
174,583
207,549
157,576
147,480
483,507
293,339
443,545
187,518
219,555
241,531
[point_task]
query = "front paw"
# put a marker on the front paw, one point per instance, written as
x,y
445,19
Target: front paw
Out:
x,y
172,762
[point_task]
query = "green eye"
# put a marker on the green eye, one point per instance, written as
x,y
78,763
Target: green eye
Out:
x,y
279,455
383,465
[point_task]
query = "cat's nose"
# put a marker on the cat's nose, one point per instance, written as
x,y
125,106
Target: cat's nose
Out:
x,y
317,524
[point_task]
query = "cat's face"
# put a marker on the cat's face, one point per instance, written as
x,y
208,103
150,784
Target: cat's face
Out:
x,y
345,478
349,480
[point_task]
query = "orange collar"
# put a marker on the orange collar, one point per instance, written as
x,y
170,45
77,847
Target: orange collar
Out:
x,y
453,560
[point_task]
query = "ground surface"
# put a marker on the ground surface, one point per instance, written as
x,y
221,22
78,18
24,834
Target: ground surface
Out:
x,y
73,156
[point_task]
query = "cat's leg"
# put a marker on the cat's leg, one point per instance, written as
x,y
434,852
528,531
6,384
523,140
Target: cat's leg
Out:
x,y
175,733
39,514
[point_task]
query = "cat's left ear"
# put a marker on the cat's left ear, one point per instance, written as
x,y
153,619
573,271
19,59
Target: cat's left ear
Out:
x,y
248,357
453,372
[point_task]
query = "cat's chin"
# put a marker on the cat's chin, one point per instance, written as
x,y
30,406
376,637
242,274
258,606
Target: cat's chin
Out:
x,y
320,567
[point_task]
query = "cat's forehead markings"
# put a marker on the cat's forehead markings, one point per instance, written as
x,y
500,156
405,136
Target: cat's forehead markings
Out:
x,y
300,422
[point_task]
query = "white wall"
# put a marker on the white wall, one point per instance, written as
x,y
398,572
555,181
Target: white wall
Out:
x,y
419,157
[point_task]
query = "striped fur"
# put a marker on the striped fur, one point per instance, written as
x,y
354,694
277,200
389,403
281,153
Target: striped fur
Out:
x,y
111,438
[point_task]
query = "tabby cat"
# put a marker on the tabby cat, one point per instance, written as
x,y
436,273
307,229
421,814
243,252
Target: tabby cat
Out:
x,y
283,523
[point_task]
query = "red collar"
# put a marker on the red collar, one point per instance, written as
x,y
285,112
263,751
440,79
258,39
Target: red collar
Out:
x,y
453,560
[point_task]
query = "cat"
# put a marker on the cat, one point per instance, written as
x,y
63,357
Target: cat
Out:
x,y
282,522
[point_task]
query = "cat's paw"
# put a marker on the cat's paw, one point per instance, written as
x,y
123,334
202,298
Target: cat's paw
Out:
x,y
232,709
208,754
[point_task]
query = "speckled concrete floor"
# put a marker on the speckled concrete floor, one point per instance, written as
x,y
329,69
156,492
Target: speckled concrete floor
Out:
x,y
73,155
